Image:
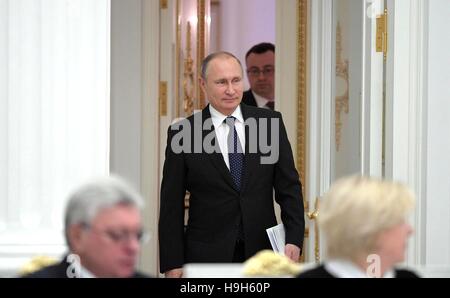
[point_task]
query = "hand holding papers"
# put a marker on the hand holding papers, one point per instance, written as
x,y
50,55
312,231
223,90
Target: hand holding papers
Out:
x,y
277,238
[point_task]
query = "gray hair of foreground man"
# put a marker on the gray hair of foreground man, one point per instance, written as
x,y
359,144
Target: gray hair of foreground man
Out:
x,y
89,199
357,209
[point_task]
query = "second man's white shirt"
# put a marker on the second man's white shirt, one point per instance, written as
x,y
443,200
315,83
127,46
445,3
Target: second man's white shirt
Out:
x,y
260,101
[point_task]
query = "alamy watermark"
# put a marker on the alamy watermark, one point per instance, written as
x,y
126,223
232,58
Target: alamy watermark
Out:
x,y
373,8
374,268
257,130
74,268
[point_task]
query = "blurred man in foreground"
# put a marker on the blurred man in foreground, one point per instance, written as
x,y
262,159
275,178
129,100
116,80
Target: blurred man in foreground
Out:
x,y
103,230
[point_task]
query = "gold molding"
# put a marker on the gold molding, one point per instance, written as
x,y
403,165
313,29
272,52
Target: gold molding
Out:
x,y
188,76
201,44
342,101
178,58
313,216
302,14
163,98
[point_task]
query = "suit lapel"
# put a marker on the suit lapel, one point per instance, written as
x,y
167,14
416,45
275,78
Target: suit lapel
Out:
x,y
216,157
250,98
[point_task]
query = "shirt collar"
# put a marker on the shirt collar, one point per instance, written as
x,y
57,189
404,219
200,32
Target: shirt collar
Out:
x,y
218,118
347,269
84,273
260,101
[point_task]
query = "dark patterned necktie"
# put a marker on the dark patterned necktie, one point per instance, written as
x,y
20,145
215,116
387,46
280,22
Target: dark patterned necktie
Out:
x,y
270,105
235,153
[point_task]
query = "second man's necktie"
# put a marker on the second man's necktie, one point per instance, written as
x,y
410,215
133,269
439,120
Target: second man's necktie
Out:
x,y
270,105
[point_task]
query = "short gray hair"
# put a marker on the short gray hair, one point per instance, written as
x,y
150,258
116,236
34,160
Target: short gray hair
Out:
x,y
90,198
210,57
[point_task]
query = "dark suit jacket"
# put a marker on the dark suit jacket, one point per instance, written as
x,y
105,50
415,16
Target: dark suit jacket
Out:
x,y
249,99
60,271
216,206
321,272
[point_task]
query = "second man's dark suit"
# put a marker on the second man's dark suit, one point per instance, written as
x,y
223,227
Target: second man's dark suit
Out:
x,y
249,99
216,206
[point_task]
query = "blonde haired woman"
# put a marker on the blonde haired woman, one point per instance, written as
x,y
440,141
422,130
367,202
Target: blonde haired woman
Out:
x,y
364,222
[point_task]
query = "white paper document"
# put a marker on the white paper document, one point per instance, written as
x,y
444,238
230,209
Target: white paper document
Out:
x,y
277,238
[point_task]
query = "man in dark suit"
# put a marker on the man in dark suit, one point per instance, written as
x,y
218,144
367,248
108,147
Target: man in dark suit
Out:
x,y
260,61
222,156
103,230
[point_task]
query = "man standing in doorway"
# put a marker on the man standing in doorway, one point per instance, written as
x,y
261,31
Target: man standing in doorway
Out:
x,y
260,61
214,154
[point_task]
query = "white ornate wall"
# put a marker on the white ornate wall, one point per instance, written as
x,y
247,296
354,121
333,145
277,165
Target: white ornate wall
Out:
x,y
134,113
418,113
437,177
346,148
126,88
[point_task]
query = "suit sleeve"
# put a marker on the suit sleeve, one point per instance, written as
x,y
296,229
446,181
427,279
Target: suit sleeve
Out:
x,y
288,190
171,216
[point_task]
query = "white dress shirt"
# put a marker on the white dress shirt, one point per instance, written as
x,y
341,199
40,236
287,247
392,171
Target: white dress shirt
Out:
x,y
222,130
84,273
260,101
346,269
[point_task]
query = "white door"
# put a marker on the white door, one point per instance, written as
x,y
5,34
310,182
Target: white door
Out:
x,y
346,108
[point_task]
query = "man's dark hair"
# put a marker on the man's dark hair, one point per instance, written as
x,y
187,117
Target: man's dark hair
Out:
x,y
210,57
261,48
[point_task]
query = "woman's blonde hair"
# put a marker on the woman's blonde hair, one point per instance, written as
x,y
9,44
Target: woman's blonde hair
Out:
x,y
356,209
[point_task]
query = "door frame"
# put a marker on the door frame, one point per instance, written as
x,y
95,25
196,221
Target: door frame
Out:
x,y
320,110
149,260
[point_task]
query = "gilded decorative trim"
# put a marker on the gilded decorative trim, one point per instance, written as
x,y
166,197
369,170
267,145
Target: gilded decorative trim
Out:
x,y
201,21
342,101
177,59
313,216
188,77
302,15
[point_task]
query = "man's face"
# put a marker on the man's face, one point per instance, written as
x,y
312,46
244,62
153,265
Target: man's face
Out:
x,y
223,86
260,72
109,247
